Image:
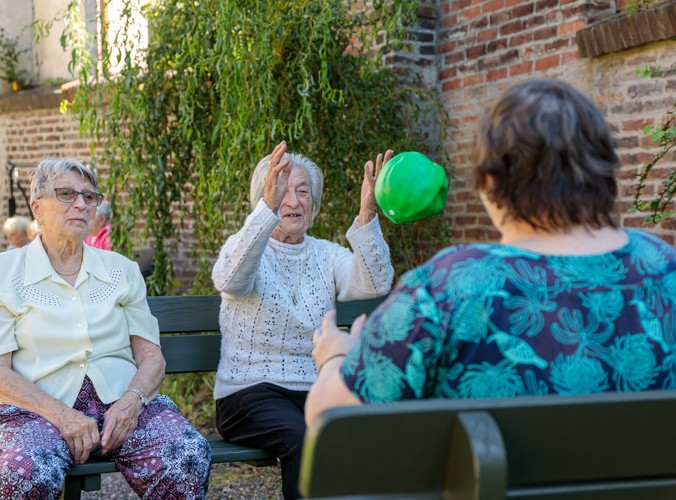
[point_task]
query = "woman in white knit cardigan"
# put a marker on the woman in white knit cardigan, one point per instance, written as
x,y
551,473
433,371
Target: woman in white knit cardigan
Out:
x,y
276,283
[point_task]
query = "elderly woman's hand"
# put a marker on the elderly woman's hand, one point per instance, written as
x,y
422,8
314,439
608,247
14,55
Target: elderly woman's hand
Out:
x,y
120,421
79,431
332,343
369,208
276,177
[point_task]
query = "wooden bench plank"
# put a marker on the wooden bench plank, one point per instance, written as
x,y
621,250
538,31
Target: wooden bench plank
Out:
x,y
602,446
191,353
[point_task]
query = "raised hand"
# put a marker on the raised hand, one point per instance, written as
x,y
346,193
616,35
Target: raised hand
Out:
x,y
368,207
276,177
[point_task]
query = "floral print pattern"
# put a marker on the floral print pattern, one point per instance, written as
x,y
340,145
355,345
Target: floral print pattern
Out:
x,y
488,320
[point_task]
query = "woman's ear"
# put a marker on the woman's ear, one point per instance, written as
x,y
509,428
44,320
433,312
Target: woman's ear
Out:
x,y
35,209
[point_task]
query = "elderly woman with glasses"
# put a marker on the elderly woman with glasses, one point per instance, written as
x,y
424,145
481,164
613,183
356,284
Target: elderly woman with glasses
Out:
x,y
276,283
80,361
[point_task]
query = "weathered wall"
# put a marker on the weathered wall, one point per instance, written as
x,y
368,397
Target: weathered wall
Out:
x,y
484,47
471,50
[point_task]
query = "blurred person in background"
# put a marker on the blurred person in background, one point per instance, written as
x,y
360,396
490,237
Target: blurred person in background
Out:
x,y
100,235
16,231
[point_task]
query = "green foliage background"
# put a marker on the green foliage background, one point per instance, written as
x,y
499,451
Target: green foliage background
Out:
x,y
221,82
660,205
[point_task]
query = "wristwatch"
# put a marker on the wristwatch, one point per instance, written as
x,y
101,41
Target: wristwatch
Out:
x,y
143,397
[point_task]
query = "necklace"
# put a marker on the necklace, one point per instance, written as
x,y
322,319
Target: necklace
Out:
x,y
295,290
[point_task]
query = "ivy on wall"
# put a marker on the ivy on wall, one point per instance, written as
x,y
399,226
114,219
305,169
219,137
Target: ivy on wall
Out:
x,y
660,205
185,119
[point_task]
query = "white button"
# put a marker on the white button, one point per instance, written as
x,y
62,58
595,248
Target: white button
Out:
x,y
82,365
74,299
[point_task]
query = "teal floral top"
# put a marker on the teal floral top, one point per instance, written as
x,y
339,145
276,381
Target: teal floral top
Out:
x,y
486,320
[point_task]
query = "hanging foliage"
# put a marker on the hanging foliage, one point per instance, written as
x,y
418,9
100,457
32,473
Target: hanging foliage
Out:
x,y
185,118
661,206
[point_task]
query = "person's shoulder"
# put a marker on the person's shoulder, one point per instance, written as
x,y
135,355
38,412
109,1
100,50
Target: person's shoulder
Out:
x,y
112,258
13,255
640,237
459,253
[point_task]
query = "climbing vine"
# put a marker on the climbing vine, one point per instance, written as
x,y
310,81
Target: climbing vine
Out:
x,y
185,117
660,206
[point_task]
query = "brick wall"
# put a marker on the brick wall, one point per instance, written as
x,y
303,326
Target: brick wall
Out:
x,y
480,48
485,46
31,128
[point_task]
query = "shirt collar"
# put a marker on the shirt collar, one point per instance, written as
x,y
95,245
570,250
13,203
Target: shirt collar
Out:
x,y
38,266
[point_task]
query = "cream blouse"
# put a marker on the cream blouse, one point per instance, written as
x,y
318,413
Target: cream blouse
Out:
x,y
58,333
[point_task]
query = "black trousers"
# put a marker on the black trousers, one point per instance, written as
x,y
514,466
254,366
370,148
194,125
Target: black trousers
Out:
x,y
269,417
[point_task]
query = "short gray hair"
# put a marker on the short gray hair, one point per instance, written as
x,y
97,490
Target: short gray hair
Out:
x,y
51,168
314,173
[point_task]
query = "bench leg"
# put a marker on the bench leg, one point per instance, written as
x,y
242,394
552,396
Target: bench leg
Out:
x,y
73,486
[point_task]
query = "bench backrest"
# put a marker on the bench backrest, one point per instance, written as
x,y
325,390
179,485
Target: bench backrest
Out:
x,y
607,446
195,318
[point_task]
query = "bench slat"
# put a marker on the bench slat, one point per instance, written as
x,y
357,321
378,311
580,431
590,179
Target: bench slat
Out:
x,y
222,451
186,313
191,353
601,446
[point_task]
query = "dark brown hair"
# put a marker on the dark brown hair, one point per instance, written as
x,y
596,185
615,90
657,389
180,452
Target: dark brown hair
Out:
x,y
545,153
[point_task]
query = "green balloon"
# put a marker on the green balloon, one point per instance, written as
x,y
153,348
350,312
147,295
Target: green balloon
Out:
x,y
411,187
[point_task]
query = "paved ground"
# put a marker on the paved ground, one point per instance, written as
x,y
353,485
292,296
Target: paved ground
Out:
x,y
228,482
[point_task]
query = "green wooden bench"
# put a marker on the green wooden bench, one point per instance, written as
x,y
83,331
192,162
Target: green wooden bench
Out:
x,y
592,447
194,347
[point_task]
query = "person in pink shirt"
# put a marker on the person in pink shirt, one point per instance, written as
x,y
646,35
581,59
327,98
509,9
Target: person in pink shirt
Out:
x,y
100,235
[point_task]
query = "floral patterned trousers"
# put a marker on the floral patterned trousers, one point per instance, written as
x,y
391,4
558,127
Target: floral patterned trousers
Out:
x,y
164,458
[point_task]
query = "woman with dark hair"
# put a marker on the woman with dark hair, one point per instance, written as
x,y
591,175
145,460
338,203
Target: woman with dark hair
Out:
x,y
566,303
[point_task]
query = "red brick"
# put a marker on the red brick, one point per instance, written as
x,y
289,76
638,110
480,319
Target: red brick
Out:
x,y
493,6
446,47
547,63
569,57
544,33
523,10
520,39
470,81
447,73
496,74
486,35
476,51
570,27
511,28
635,125
471,13
451,85
520,69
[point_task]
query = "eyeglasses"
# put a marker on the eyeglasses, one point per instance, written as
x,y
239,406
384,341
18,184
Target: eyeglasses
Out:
x,y
68,195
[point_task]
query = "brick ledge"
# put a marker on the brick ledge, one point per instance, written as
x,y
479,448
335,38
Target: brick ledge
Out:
x,y
37,98
623,31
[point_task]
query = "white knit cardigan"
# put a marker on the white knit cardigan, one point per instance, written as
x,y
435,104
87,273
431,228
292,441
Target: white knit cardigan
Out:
x,y
265,337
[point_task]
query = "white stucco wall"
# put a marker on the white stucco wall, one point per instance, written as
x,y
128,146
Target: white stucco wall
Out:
x,y
14,16
50,61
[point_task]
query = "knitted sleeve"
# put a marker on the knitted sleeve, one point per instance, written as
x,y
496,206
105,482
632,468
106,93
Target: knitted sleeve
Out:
x,y
239,259
368,272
